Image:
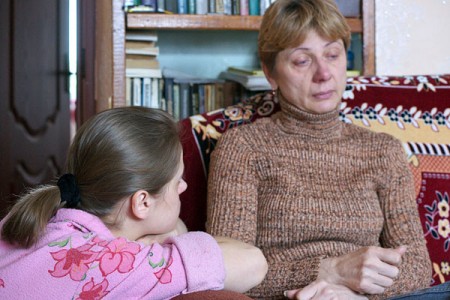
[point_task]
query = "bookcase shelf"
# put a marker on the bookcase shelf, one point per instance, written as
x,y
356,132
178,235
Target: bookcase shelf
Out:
x,y
206,22
112,22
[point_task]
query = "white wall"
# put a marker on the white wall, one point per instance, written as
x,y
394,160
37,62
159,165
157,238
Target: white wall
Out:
x,y
412,37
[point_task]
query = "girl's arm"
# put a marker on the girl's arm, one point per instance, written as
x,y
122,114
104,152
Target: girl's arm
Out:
x,y
245,265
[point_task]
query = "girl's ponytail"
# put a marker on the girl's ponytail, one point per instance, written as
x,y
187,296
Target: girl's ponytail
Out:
x,y
30,215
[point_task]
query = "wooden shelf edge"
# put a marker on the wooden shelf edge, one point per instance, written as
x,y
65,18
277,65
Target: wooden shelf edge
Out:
x,y
205,22
193,22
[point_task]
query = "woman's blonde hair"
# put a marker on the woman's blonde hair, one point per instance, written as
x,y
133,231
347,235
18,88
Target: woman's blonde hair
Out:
x,y
286,23
114,154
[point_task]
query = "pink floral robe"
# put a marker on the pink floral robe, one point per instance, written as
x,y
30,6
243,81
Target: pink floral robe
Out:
x,y
79,258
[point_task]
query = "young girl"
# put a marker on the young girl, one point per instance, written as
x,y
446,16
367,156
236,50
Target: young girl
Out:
x,y
91,235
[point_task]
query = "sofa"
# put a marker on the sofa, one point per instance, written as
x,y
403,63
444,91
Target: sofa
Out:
x,y
415,109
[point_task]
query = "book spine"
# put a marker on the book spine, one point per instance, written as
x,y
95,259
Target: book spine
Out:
x,y
219,7
195,99
154,101
201,7
227,7
218,95
151,3
243,5
128,90
212,6
137,92
176,101
253,7
230,90
146,92
235,9
172,6
201,98
191,7
182,7
185,100
264,4
168,94
160,4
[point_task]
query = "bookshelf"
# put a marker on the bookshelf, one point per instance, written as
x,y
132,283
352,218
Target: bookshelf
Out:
x,y
111,23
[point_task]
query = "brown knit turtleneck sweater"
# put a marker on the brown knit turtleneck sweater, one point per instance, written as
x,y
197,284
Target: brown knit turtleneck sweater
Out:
x,y
303,187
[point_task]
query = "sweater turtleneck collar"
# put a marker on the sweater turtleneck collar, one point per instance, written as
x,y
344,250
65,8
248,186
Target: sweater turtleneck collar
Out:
x,y
293,120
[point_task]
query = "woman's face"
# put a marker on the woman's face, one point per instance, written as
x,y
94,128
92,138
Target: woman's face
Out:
x,y
311,76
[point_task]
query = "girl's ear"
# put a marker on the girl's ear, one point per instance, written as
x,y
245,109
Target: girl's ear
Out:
x,y
141,202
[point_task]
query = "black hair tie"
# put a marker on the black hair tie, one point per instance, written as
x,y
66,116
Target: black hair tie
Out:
x,y
69,190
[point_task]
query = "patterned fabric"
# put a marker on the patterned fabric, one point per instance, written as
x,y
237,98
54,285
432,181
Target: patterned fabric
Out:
x,y
79,258
414,109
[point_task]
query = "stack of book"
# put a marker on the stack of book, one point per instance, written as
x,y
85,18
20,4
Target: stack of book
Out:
x,y
251,78
142,68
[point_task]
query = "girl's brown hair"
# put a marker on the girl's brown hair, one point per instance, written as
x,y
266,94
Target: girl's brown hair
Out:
x,y
114,154
286,23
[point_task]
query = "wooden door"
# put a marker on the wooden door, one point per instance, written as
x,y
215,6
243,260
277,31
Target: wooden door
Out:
x,y
34,94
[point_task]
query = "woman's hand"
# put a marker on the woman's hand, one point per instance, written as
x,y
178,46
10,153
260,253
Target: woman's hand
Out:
x,y
369,270
322,290
149,239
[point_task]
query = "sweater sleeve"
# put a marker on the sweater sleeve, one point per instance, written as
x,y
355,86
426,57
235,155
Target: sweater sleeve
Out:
x,y
202,261
232,190
402,223
184,264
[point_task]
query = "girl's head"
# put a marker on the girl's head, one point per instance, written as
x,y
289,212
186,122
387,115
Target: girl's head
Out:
x,y
121,151
286,23
119,156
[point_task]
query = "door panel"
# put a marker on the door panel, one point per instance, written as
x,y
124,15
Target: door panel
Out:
x,y
34,96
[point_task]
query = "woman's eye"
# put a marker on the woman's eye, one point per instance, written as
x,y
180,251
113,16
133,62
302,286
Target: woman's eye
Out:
x,y
301,62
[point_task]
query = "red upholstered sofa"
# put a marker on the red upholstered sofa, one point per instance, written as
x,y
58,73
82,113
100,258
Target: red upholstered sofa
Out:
x,y
415,109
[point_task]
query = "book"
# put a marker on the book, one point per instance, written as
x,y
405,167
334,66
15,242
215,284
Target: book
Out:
x,y
168,94
235,7
146,91
142,66
246,70
201,7
227,7
220,8
141,48
243,5
191,7
141,35
182,6
253,7
264,4
137,92
250,82
185,99
171,6
176,101
128,91
353,73
140,9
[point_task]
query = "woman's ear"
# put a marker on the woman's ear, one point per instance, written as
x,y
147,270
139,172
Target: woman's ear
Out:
x,y
267,73
141,204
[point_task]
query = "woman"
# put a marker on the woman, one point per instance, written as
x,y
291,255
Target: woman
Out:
x,y
329,203
110,226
